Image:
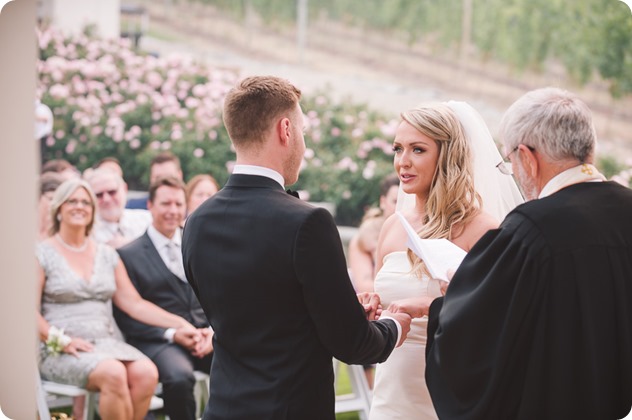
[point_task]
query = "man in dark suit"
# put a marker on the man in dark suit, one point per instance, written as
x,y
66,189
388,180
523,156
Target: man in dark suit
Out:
x,y
537,320
270,273
154,264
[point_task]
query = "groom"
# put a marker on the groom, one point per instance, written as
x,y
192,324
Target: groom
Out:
x,y
270,273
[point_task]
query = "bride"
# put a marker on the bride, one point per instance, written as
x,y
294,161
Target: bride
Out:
x,y
450,188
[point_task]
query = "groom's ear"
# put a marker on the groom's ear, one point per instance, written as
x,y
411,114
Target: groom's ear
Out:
x,y
283,128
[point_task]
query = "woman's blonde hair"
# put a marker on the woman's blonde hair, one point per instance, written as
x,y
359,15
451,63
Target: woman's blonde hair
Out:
x,y
62,194
452,200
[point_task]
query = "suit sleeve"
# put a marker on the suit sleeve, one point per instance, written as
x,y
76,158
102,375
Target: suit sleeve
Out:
x,y
433,322
481,330
132,329
330,298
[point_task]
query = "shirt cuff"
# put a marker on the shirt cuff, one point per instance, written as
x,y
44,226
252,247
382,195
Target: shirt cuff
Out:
x,y
170,332
399,328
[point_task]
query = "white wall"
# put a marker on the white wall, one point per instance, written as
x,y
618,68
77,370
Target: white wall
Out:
x,y
18,170
71,16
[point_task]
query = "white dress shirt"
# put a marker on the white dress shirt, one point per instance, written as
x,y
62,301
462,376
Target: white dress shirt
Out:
x,y
133,223
261,171
162,243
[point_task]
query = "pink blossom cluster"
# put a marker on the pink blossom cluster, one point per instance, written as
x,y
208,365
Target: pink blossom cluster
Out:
x,y
95,86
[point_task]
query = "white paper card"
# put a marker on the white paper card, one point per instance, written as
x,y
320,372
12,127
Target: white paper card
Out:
x,y
440,255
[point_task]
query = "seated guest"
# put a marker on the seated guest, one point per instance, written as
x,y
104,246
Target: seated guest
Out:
x,y
49,181
198,189
110,163
115,225
61,166
154,264
362,246
77,280
163,164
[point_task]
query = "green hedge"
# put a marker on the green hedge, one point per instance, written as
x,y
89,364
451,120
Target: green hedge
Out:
x,y
108,100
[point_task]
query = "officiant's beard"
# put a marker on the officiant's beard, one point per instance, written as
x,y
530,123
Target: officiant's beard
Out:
x,y
527,184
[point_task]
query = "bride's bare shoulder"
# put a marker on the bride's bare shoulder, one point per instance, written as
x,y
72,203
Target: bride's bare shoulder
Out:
x,y
392,236
477,227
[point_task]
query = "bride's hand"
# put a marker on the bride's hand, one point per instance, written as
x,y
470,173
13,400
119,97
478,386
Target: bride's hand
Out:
x,y
416,307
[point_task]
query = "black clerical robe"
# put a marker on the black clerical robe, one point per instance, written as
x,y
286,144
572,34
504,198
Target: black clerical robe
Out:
x,y
537,321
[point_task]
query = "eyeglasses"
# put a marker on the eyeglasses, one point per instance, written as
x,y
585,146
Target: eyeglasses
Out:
x,y
73,202
504,166
111,193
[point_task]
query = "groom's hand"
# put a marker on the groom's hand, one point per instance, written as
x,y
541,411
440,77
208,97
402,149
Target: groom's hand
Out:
x,y
371,304
404,320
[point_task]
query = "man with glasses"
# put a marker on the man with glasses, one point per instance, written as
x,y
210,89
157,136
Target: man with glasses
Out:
x,y
537,320
115,225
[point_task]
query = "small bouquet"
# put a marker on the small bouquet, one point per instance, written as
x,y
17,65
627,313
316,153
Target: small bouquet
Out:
x,y
57,340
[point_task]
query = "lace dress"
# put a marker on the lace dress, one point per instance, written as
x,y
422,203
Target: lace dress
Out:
x,y
83,309
400,390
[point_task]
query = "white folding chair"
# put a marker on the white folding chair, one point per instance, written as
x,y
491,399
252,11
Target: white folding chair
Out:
x,y
91,403
360,398
200,391
89,409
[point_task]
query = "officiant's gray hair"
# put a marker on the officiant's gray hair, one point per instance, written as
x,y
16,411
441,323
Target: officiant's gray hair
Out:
x,y
554,122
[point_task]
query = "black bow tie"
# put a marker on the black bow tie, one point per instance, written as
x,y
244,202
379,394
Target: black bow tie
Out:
x,y
293,193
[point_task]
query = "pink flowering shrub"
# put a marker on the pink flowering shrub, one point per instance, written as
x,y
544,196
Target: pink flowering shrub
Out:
x,y
108,100
349,151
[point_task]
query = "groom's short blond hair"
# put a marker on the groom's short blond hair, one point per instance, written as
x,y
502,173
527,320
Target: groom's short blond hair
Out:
x,y
251,107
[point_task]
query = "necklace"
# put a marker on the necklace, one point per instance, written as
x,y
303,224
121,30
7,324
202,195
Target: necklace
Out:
x,y
79,248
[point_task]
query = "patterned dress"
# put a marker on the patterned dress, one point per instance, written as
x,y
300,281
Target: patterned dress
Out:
x,y
83,309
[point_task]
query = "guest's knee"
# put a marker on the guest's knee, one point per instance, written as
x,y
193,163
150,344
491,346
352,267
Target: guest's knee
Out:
x,y
143,373
179,381
109,376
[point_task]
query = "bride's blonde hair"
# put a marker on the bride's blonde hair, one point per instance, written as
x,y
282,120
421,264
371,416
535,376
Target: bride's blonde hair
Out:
x,y
452,200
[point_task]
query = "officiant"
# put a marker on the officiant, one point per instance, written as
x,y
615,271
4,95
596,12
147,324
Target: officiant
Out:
x,y
537,321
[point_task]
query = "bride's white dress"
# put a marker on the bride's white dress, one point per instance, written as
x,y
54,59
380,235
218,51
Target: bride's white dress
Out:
x,y
400,390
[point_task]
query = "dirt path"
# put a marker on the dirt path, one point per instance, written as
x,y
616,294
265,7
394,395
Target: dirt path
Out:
x,y
386,74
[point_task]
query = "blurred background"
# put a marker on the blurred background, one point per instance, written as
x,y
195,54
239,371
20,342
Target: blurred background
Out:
x,y
130,79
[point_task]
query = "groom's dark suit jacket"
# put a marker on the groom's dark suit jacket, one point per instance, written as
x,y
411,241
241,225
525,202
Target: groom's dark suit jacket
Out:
x,y
270,273
157,284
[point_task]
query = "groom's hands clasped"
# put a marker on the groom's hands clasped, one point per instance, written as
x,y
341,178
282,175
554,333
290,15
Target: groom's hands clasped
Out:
x,y
404,320
373,309
372,305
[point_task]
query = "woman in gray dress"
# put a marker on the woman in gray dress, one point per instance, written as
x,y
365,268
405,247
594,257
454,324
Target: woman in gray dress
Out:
x,y
77,280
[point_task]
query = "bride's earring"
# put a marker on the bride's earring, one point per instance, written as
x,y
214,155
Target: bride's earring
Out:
x,y
58,217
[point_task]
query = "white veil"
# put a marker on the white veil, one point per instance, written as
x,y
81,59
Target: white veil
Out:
x,y
499,192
